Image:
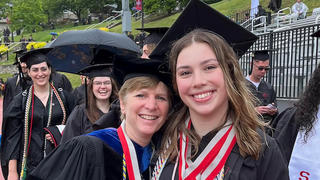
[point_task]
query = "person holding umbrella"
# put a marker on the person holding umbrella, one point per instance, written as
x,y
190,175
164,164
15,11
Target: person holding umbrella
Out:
x,y
28,117
101,92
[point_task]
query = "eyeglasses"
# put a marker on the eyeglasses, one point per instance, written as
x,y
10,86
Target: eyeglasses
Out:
x,y
99,83
260,68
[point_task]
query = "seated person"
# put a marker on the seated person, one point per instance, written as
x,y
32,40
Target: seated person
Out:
x,y
299,9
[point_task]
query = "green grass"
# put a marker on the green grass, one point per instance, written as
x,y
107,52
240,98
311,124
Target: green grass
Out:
x,y
5,76
74,79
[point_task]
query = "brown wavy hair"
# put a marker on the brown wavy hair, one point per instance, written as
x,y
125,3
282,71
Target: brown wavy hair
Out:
x,y
241,101
92,110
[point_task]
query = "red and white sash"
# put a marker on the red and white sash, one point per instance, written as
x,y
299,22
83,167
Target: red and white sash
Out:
x,y
210,162
130,154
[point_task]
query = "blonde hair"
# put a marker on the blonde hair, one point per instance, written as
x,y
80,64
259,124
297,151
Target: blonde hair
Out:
x,y
241,102
137,83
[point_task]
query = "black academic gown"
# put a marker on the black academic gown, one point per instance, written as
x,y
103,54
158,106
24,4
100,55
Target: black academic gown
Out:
x,y
266,95
13,134
78,122
97,156
13,86
270,164
79,94
286,131
61,81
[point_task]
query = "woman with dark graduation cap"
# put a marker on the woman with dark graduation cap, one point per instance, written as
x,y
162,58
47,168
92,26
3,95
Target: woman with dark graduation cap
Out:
x,y
122,153
30,115
216,132
297,131
101,92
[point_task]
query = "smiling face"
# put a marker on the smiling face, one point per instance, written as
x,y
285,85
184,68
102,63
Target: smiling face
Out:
x,y
200,80
40,74
102,88
145,110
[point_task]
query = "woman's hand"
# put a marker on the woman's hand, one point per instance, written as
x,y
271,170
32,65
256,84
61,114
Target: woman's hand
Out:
x,y
13,173
13,176
49,138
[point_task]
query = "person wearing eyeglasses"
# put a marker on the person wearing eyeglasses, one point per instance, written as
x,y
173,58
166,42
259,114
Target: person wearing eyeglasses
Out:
x,y
262,90
101,92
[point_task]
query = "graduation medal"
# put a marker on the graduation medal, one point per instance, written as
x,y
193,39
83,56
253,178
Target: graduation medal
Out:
x,y
211,161
130,162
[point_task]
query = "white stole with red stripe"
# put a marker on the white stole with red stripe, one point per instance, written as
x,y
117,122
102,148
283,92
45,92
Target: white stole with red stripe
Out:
x,y
212,159
130,153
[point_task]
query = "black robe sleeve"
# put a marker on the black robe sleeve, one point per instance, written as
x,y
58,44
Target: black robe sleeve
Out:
x,y
82,158
12,133
61,81
74,124
286,130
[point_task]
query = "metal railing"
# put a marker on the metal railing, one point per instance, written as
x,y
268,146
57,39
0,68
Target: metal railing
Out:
x,y
294,55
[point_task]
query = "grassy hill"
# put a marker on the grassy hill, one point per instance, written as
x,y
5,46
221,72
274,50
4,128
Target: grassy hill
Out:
x,y
226,7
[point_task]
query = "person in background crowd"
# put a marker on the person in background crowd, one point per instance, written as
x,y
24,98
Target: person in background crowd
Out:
x,y
267,105
215,133
297,131
79,92
151,41
122,153
300,9
101,92
29,116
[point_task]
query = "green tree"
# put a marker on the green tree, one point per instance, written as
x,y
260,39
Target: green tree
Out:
x,y
52,9
79,7
27,15
163,6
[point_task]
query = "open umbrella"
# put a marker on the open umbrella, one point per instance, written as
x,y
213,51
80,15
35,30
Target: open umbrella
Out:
x,y
54,34
75,50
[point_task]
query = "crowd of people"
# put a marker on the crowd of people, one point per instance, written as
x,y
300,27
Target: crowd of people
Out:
x,y
190,115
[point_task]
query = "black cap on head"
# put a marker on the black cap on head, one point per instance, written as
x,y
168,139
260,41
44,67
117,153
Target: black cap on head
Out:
x,y
19,53
97,70
262,55
199,15
36,56
155,34
127,68
316,34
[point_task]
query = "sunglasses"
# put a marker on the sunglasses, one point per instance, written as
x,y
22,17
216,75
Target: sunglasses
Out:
x,y
260,68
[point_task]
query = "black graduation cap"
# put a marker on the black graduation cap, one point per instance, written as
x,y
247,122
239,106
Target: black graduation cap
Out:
x,y
97,70
28,56
199,15
127,68
262,55
316,34
155,34
18,53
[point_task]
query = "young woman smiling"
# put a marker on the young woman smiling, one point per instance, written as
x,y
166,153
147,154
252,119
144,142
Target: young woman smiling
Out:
x,y
29,114
216,133
101,92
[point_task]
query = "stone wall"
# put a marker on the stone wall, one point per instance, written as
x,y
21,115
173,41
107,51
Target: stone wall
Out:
x,y
8,69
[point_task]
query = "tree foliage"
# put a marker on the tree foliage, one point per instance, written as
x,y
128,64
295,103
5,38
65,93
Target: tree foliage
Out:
x,y
26,14
163,6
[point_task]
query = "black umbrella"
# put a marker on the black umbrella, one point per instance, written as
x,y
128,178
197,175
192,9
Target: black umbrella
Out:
x,y
199,15
72,51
